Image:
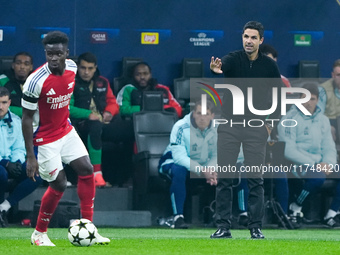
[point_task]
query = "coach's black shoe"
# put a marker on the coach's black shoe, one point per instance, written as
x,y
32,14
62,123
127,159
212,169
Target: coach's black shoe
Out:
x,y
256,233
331,223
3,219
180,223
337,217
221,233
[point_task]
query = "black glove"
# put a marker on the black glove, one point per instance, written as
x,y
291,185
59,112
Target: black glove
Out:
x,y
14,169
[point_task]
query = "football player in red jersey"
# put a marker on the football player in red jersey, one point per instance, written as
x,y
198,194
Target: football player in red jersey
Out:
x,y
50,139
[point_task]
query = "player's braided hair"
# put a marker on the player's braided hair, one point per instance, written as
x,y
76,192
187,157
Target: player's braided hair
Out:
x,y
55,37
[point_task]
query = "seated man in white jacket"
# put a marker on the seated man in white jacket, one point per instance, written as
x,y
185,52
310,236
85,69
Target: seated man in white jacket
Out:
x,y
310,147
192,148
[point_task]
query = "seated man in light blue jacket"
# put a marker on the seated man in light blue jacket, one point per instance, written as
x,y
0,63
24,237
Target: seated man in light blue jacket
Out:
x,y
310,146
12,159
192,148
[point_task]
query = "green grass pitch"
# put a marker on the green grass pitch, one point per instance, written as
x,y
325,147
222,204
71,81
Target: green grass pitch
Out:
x,y
172,241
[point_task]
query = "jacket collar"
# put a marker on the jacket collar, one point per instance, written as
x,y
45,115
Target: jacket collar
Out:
x,y
8,119
315,113
259,55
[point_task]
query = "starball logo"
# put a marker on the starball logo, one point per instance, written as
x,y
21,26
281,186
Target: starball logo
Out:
x,y
239,100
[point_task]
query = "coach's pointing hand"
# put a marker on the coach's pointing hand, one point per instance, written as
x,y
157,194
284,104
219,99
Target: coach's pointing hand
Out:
x,y
215,65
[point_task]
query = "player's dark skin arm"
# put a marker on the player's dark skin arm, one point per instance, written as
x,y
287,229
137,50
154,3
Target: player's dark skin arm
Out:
x,y
32,168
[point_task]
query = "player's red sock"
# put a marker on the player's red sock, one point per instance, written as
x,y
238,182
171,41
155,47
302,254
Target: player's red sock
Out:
x,y
86,192
97,168
49,203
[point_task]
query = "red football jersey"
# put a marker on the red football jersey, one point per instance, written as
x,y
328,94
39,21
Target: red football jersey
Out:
x,y
50,96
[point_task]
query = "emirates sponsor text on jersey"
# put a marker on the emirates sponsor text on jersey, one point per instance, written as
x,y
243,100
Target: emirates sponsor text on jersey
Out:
x,y
60,101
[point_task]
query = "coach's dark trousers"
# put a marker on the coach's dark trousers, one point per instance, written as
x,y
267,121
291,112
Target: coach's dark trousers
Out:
x,y
253,141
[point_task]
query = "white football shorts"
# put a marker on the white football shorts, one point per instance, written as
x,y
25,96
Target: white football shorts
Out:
x,y
51,156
